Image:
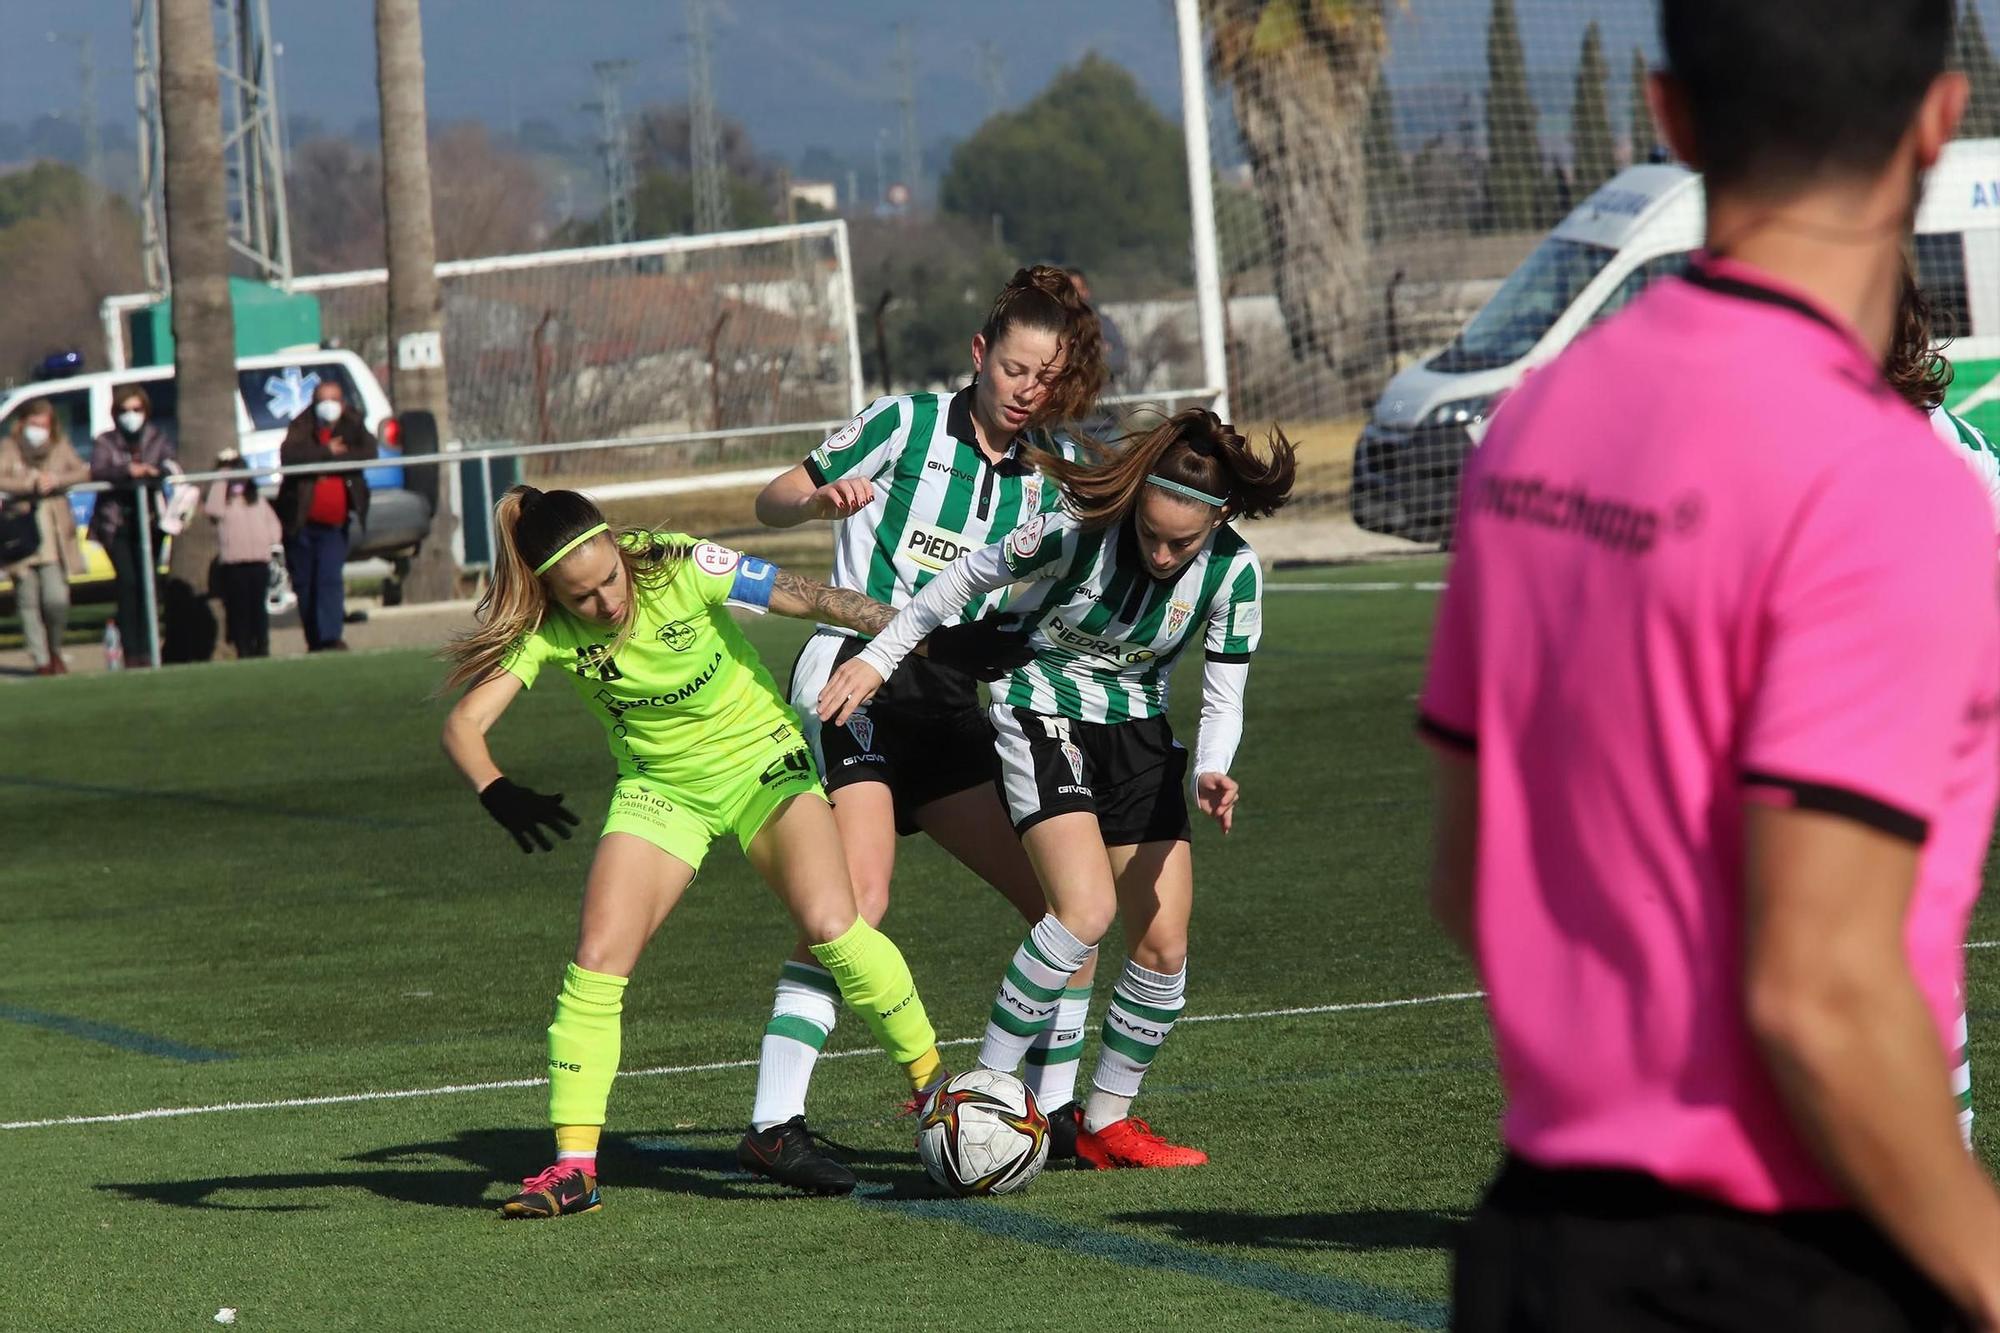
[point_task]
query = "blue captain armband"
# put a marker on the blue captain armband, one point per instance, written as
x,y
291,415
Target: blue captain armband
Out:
x,y
755,580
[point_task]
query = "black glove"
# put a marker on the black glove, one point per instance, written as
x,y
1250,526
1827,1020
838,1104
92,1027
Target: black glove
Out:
x,y
983,649
525,813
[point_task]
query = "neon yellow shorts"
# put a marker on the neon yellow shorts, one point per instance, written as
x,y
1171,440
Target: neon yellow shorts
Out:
x,y
682,820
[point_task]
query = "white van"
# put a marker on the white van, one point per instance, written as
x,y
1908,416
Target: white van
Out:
x,y
271,391
1641,225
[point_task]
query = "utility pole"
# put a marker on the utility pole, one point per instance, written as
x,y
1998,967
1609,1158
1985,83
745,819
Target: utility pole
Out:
x,y
906,97
152,174
992,68
416,307
711,177
614,148
93,158
252,143
203,321
260,229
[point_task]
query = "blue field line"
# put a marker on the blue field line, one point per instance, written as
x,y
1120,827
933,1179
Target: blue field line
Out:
x,y
123,1038
222,803
1151,1256
1004,1222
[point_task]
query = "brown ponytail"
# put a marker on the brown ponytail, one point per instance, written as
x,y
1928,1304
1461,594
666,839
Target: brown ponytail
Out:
x,y
1916,367
1194,448
530,526
1044,298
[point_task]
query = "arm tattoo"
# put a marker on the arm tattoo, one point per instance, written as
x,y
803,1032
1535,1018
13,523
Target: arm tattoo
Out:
x,y
796,595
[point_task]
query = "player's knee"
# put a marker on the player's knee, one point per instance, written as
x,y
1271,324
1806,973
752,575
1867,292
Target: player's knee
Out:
x,y
602,953
871,898
1089,922
824,925
1164,956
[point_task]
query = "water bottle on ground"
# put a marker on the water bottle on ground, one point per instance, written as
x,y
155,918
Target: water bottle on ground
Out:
x,y
114,647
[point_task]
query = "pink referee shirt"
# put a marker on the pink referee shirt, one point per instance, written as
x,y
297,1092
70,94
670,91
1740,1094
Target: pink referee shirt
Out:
x,y
1706,556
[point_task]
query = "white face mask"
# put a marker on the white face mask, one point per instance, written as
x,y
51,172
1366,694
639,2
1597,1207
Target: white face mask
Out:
x,y
327,410
130,422
36,436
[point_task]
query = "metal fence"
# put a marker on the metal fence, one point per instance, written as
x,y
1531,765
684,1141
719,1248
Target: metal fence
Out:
x,y
485,457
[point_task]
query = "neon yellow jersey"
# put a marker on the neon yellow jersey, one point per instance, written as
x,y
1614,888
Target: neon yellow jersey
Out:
x,y
687,695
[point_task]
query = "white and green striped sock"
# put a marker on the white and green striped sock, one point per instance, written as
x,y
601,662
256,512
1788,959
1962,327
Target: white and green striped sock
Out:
x,y
1143,1008
1961,1076
1031,992
803,1013
1056,1053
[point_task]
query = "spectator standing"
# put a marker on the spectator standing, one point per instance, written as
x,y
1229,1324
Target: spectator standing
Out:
x,y
37,464
318,511
132,456
247,530
1714,695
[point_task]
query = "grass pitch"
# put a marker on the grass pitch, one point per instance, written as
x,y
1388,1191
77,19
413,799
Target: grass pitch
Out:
x,y
254,899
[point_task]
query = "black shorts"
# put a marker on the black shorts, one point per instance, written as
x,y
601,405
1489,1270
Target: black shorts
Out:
x,y
1583,1251
1130,774
923,749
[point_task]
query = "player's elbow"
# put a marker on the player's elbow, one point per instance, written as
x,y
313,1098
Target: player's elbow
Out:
x,y
1804,1008
778,504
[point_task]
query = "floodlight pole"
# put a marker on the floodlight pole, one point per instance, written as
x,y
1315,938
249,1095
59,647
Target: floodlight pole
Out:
x,y
1201,204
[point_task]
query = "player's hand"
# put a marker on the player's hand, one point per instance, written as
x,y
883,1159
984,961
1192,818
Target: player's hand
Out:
x,y
526,813
983,649
1215,794
851,687
838,499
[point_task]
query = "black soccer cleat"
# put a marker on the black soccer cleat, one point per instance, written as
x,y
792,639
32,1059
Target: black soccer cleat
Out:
x,y
1064,1123
560,1191
790,1155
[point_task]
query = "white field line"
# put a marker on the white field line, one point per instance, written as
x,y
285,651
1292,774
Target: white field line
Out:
x,y
454,1089
1983,944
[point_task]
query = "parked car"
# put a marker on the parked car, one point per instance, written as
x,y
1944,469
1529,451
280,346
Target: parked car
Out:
x,y
1642,225
271,390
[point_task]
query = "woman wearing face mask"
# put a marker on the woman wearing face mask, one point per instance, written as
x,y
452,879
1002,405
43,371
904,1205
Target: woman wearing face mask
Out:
x,y
132,456
1138,563
317,509
909,484
37,463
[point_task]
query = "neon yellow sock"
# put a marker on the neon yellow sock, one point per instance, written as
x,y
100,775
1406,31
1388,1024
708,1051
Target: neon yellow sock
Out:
x,y
876,983
583,1046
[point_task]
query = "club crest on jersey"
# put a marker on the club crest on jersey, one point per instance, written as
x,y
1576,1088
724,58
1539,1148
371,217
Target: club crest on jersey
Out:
x,y
712,559
1031,492
677,635
862,728
1024,541
1075,757
1177,615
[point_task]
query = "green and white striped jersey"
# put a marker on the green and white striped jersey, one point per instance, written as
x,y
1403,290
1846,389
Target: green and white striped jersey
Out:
x,y
936,496
1104,631
1976,449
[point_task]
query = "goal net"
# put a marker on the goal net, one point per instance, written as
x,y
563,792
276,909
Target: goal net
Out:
x,y
692,335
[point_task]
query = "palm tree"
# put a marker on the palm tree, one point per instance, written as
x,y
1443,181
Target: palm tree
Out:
x,y
1301,75
416,308
198,258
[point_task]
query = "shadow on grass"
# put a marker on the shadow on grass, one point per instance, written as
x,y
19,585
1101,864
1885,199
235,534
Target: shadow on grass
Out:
x,y
1362,1231
476,1159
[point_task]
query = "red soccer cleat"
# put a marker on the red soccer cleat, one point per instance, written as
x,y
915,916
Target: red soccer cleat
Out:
x,y
1132,1142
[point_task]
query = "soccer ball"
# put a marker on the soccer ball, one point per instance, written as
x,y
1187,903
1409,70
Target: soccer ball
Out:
x,y
982,1133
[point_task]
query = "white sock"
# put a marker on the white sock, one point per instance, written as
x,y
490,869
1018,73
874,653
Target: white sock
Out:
x,y
1144,1006
1031,992
802,1014
1055,1055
